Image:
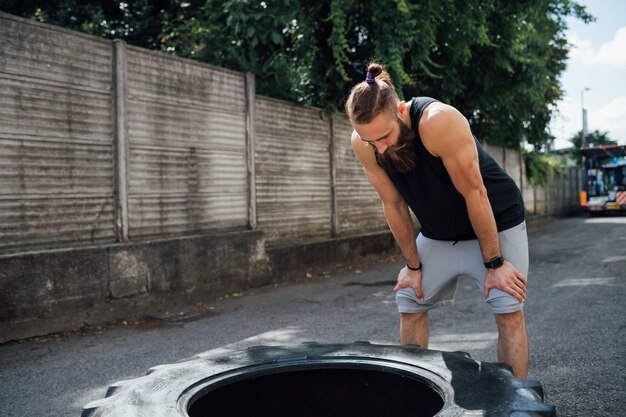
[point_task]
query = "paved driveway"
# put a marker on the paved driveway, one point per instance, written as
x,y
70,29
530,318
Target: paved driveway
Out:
x,y
575,312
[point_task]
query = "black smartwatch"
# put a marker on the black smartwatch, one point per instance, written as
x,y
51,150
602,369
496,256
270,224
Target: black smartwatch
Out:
x,y
495,262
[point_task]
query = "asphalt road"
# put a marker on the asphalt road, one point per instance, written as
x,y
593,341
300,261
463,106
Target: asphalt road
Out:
x,y
575,312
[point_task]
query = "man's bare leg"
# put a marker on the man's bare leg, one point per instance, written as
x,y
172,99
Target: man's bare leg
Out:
x,y
414,329
513,342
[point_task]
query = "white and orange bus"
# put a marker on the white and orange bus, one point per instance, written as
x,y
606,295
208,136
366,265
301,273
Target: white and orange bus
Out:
x,y
605,186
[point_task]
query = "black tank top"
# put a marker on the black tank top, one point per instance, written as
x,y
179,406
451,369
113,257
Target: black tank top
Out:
x,y
439,207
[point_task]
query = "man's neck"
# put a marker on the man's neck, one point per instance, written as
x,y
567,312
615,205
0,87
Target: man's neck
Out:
x,y
406,117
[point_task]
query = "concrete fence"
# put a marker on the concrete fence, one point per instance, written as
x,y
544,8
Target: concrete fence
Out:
x,y
127,176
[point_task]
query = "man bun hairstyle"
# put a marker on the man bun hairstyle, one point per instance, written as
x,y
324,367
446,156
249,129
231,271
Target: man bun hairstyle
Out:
x,y
373,96
379,72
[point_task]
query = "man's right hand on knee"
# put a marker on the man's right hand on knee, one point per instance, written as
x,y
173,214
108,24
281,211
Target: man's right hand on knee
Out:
x,y
408,278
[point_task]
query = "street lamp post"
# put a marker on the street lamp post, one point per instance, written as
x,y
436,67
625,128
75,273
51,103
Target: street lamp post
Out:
x,y
584,111
582,145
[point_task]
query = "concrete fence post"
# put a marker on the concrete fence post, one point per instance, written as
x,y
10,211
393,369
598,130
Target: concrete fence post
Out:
x,y
572,187
572,190
250,150
333,177
120,133
577,187
564,196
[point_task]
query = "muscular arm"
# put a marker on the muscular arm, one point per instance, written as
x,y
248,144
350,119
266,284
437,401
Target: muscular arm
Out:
x,y
396,213
394,206
446,134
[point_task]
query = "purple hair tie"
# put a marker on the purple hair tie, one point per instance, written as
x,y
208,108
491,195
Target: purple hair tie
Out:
x,y
370,78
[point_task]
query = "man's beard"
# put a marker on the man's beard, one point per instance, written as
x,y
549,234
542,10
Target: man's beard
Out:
x,y
401,157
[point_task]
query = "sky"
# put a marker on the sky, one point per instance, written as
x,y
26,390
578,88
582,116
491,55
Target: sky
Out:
x,y
596,61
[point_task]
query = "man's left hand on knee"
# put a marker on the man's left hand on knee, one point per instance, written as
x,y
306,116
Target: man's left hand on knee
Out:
x,y
508,279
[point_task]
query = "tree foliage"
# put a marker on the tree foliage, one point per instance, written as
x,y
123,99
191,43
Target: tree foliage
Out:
x,y
139,22
595,138
497,61
541,167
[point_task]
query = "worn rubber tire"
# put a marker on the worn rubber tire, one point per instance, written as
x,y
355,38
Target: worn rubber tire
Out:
x,y
464,386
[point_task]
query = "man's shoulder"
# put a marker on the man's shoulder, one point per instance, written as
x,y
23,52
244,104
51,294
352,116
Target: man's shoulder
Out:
x,y
439,115
443,129
419,104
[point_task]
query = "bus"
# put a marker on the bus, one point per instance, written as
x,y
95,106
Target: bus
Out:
x,y
605,185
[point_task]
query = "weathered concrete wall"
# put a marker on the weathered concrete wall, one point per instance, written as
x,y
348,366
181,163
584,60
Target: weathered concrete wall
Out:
x,y
559,197
43,292
321,255
186,145
56,164
357,206
105,146
139,186
513,166
528,193
293,174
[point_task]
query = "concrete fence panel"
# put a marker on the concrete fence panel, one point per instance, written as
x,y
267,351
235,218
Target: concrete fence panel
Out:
x,y
512,165
558,192
571,196
56,164
186,146
358,206
496,152
107,142
563,192
293,173
554,199
528,191
541,204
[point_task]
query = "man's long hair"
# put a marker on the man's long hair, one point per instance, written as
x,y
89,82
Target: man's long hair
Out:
x,y
369,99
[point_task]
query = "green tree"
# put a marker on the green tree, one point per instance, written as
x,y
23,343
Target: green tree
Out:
x,y
139,22
595,138
497,61
259,37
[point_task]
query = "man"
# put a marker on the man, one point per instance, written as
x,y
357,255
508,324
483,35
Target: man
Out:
x,y
422,154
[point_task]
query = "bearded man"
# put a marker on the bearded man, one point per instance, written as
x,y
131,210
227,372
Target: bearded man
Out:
x,y
421,155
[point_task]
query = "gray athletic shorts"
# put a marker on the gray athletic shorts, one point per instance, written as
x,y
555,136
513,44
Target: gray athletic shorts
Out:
x,y
444,261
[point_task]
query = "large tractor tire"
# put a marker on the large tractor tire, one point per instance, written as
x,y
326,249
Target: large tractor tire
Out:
x,y
315,380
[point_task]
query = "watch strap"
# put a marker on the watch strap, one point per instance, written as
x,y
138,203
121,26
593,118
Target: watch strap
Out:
x,y
495,262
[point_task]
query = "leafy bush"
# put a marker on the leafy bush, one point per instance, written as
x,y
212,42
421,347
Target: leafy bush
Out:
x,y
541,168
